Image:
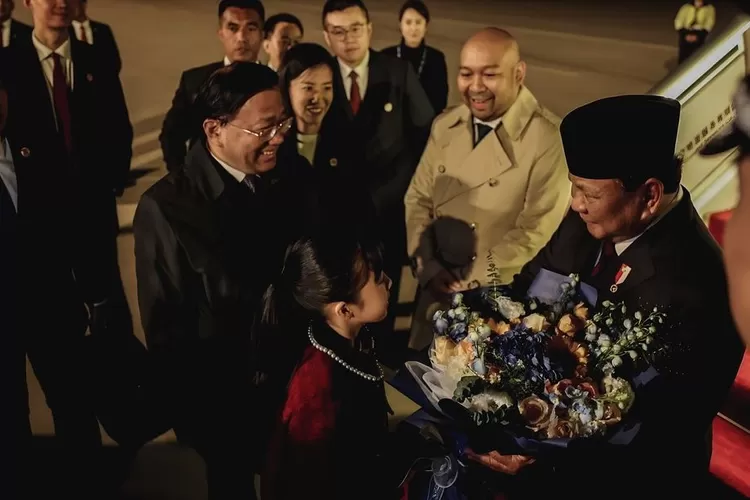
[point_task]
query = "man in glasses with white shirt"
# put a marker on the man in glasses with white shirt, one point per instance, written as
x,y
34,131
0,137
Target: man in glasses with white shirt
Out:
x,y
209,238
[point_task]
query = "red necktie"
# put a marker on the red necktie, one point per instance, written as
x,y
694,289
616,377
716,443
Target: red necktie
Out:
x,y
60,97
82,33
355,98
608,250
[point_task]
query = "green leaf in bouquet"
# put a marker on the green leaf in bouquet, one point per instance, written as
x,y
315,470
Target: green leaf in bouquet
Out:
x,y
468,387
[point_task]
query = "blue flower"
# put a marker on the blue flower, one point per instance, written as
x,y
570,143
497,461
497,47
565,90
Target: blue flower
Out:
x,y
441,325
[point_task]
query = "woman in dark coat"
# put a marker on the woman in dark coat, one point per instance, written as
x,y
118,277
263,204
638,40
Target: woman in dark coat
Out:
x,y
428,62
306,83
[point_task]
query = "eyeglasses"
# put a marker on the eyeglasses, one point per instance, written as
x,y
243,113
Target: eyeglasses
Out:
x,y
339,32
269,133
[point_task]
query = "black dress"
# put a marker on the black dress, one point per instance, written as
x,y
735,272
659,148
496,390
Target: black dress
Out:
x,y
429,63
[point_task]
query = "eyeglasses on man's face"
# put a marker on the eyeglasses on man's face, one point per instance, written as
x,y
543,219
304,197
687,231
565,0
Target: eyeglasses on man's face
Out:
x,y
339,32
269,133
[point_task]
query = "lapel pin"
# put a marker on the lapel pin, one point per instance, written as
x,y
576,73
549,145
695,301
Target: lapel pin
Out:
x,y
89,77
25,152
620,277
388,107
333,162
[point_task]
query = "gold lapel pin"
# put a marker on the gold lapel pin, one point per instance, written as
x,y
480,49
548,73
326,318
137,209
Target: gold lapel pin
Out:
x,y
388,107
613,289
89,77
333,162
25,152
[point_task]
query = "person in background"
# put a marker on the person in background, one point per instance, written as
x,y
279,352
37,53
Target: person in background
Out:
x,y
693,23
209,238
10,29
281,32
241,34
428,62
332,430
306,80
94,33
69,167
15,429
736,234
493,166
381,110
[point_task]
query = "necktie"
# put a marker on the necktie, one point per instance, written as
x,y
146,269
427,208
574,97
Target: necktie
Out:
x,y
82,34
254,183
355,99
60,98
608,251
481,133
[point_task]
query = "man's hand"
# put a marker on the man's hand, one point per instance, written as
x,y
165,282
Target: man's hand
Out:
x,y
444,284
507,464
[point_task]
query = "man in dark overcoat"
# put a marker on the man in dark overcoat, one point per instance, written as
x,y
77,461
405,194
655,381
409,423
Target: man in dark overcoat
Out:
x,y
634,235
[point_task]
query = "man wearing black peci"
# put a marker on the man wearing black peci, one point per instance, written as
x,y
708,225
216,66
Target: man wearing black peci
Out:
x,y
634,235
381,109
241,34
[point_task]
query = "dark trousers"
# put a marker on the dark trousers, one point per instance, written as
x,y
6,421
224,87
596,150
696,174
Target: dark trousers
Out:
x,y
686,49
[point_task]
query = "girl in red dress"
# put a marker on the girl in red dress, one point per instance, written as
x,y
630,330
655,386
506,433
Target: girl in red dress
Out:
x,y
330,434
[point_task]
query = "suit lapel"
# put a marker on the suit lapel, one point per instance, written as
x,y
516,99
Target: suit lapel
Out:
x,y
340,93
473,166
378,89
36,86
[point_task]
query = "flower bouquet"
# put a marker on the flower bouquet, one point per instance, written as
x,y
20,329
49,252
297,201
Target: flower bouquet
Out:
x,y
541,374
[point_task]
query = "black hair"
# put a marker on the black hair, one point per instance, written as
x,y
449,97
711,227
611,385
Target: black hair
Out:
x,y
297,60
417,5
255,5
270,25
321,268
228,89
339,5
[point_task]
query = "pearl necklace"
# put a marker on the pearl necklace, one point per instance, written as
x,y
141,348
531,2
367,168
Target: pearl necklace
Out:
x,y
332,355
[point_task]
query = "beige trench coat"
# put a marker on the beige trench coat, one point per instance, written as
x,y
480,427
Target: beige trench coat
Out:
x,y
511,190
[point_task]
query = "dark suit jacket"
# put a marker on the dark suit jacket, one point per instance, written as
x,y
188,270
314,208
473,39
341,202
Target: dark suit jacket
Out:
x,y
104,43
180,126
677,266
19,32
66,205
206,249
434,75
389,132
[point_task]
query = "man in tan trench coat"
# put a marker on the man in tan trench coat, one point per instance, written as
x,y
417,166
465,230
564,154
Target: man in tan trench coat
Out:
x,y
491,186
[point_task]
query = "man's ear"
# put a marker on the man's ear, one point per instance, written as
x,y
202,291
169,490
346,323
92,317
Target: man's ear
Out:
x,y
520,75
211,128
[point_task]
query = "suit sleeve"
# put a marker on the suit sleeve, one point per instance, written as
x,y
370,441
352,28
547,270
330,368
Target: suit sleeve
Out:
x,y
419,206
441,88
114,50
160,284
122,135
419,115
175,131
547,200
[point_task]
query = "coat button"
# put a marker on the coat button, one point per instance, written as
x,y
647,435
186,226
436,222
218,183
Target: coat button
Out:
x,y
25,152
473,226
473,257
493,182
441,169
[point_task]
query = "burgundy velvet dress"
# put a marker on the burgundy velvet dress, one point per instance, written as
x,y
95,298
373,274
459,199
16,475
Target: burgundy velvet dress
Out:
x,y
331,432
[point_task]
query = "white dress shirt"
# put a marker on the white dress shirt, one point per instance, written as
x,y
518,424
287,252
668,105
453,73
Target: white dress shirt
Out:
x,y
363,73
86,25
240,176
48,65
8,171
6,33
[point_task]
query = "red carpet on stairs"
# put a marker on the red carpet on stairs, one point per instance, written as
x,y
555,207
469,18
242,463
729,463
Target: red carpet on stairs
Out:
x,y
730,461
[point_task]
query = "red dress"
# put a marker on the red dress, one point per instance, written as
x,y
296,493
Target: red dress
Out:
x,y
330,435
